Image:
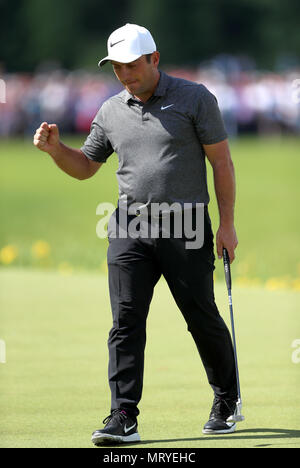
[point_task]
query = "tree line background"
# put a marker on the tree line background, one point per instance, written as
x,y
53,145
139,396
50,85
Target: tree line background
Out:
x,y
187,32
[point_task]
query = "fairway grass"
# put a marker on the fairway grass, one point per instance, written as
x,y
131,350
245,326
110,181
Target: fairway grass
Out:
x,y
53,385
40,203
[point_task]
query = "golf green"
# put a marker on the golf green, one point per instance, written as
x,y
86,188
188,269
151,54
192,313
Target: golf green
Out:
x,y
49,219
53,383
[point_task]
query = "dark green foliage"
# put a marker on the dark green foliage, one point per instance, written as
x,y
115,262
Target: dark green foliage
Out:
x,y
74,33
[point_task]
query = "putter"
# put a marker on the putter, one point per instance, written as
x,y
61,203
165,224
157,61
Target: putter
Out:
x,y
237,416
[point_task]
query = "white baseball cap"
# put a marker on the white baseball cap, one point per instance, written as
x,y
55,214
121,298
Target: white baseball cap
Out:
x,y
128,43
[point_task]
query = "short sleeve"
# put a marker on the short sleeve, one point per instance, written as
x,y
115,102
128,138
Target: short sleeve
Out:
x,y
208,120
97,146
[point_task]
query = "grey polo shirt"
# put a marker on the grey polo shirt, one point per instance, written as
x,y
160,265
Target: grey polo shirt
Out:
x,y
158,143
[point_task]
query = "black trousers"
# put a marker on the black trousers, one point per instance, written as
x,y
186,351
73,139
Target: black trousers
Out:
x,y
135,266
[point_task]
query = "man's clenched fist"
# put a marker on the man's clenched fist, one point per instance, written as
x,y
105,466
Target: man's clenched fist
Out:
x,y
46,137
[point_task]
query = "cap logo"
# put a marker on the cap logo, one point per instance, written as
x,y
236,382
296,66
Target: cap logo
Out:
x,y
137,42
115,43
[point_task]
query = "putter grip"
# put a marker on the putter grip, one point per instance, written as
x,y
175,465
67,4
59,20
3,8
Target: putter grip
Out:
x,y
226,261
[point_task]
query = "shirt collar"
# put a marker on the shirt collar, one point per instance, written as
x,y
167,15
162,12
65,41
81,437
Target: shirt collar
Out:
x,y
160,90
162,86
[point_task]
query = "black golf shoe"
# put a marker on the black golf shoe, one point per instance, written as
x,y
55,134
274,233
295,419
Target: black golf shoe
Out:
x,y
220,412
119,428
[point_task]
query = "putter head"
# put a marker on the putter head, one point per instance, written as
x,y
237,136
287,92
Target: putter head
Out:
x,y
237,415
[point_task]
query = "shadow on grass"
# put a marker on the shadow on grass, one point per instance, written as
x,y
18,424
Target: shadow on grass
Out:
x,y
244,434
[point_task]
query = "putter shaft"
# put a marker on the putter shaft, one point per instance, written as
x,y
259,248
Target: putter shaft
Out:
x,y
237,416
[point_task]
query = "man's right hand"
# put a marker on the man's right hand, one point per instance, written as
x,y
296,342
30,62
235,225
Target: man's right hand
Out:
x,y
46,138
70,160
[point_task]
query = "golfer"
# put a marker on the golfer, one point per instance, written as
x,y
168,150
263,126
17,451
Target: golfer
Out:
x,y
162,128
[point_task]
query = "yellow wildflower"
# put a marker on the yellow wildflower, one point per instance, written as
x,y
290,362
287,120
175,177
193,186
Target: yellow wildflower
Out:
x,y
40,249
8,254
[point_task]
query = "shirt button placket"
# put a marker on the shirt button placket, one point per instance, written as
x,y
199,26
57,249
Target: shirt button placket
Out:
x,y
144,114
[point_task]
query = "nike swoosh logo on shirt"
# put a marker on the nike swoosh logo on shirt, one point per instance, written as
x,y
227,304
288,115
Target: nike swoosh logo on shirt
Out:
x,y
127,429
113,44
166,107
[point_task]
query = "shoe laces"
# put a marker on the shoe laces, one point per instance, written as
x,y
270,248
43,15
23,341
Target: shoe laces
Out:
x,y
221,408
117,413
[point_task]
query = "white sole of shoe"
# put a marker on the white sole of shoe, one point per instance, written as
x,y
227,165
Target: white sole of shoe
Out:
x,y
221,431
102,438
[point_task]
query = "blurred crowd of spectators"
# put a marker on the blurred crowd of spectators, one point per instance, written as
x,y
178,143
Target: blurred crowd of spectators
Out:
x,y
250,102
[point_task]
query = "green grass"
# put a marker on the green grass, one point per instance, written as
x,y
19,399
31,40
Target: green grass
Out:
x,y
55,313
39,202
54,389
